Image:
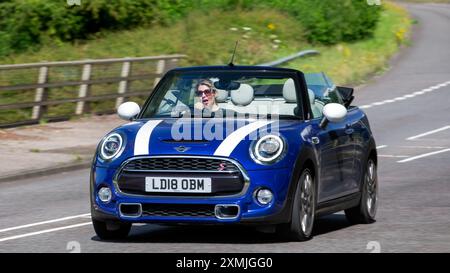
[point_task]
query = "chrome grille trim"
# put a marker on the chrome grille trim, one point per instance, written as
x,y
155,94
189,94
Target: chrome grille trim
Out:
x,y
180,164
237,164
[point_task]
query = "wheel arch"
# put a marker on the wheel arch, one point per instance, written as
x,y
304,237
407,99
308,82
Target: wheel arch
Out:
x,y
306,159
372,151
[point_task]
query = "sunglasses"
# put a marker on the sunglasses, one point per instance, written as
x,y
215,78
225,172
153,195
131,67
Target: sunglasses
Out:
x,y
207,92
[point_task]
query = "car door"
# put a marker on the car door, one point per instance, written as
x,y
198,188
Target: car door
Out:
x,y
356,132
348,170
336,148
332,143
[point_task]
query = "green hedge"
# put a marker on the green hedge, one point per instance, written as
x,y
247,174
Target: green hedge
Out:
x,y
325,21
26,23
333,21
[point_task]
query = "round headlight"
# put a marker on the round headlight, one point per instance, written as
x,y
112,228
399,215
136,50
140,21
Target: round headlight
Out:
x,y
111,146
268,149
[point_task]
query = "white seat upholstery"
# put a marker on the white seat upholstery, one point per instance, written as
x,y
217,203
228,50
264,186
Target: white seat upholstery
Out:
x,y
221,96
289,93
312,98
286,106
243,95
241,98
316,105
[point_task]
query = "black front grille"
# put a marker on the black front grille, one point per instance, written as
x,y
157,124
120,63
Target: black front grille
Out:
x,y
181,164
178,210
226,177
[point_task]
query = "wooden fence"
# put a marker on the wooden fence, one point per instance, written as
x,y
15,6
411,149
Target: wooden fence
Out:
x,y
88,74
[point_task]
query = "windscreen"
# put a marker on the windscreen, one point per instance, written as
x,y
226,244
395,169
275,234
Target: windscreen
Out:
x,y
225,93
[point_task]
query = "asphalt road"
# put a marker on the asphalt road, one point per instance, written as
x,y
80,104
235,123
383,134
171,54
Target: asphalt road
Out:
x,y
409,111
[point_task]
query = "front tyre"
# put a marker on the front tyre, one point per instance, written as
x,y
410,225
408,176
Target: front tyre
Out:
x,y
365,212
111,230
304,208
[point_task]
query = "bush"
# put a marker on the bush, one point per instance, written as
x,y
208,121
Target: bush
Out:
x,y
331,21
325,21
25,23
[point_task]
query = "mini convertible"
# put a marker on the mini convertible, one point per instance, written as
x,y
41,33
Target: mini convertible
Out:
x,y
271,147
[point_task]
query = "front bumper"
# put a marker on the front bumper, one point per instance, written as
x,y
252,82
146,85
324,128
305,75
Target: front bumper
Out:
x,y
249,212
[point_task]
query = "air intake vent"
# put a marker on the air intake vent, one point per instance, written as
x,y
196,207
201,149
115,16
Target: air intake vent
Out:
x,y
178,210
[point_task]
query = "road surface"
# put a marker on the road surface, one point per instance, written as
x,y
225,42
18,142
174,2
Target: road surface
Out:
x,y
409,109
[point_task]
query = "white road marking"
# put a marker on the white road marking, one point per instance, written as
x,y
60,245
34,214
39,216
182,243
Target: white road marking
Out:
x,y
399,156
423,155
43,231
424,147
429,132
407,96
381,147
45,222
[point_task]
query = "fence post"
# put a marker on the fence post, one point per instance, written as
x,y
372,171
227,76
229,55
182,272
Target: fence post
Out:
x,y
123,85
84,89
173,63
41,94
161,65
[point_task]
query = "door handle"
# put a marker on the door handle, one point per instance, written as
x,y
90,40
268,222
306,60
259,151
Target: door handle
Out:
x,y
348,129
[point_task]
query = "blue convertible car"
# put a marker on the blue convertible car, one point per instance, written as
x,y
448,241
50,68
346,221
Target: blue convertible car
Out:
x,y
236,145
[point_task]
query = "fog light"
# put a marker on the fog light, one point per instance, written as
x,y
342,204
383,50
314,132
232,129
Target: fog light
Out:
x,y
264,196
104,194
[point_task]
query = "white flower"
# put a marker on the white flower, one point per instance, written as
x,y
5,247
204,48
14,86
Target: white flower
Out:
x,y
247,28
245,36
273,36
233,29
277,41
275,46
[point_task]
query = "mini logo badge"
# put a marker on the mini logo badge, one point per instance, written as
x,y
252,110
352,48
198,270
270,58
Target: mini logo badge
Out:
x,y
182,149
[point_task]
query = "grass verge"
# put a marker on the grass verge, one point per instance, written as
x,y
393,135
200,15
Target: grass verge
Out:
x,y
353,63
208,39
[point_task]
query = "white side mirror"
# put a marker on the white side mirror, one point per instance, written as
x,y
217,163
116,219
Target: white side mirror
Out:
x,y
128,110
333,112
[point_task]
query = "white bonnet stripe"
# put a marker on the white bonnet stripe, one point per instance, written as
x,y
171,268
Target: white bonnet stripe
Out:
x,y
141,143
227,146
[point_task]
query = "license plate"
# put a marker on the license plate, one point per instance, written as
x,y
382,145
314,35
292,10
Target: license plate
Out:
x,y
178,184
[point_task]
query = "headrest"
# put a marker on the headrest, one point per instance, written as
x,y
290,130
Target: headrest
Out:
x,y
289,91
221,95
312,96
242,96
